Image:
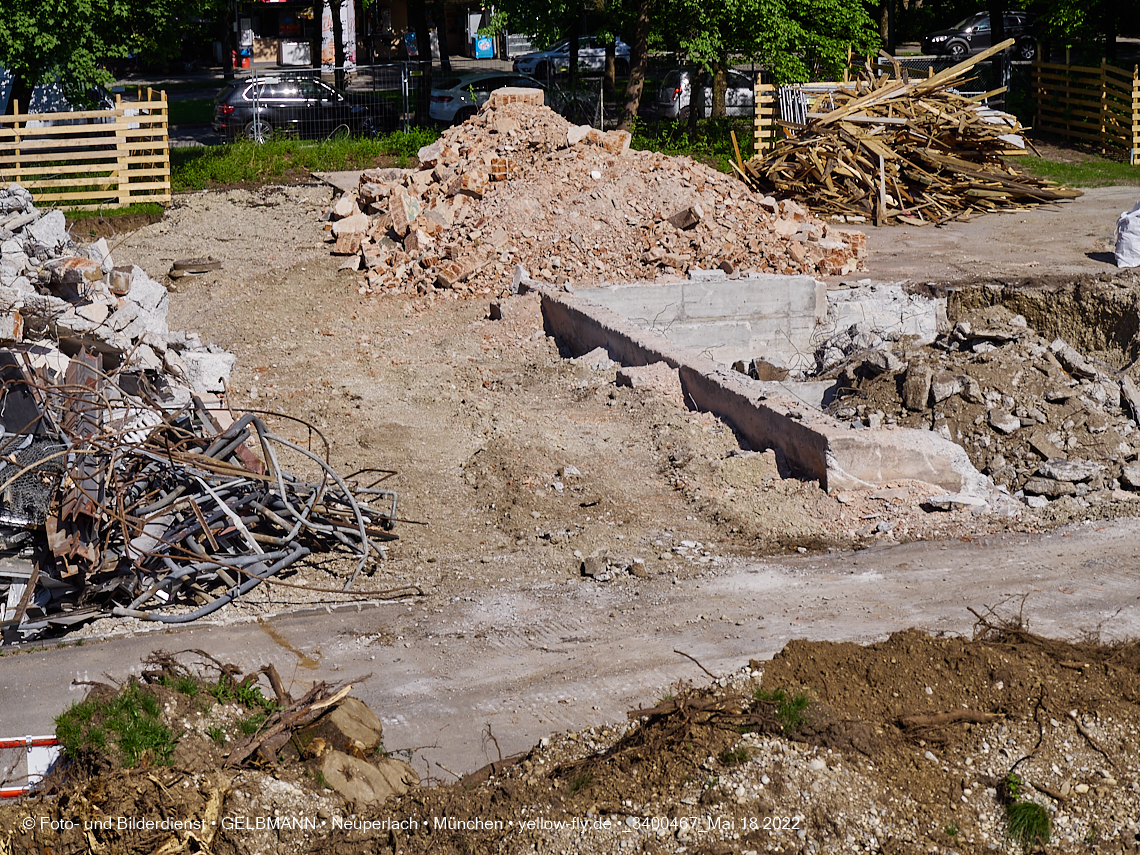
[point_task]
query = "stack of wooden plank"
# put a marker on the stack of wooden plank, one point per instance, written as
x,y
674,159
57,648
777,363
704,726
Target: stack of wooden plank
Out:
x,y
895,150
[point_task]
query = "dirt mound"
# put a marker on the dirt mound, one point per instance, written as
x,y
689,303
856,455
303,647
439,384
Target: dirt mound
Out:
x,y
516,184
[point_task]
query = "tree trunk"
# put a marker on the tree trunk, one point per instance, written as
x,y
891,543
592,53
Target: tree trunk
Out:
x,y
225,38
719,86
418,13
440,15
887,25
638,60
696,99
21,95
611,66
997,20
575,32
1111,27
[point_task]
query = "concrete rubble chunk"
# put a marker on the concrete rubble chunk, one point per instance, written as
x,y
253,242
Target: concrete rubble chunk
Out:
x,y
355,224
207,371
1130,477
50,230
1003,421
944,386
576,133
916,386
1130,398
597,359
428,156
955,501
345,206
659,377
881,360
1049,488
1073,471
1072,361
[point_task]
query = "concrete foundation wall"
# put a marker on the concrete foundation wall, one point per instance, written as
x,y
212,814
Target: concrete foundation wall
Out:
x,y
725,319
817,446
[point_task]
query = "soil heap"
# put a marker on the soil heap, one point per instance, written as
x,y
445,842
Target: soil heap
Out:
x,y
518,185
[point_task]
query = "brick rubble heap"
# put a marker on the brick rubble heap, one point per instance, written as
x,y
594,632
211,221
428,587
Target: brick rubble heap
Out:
x,y
518,184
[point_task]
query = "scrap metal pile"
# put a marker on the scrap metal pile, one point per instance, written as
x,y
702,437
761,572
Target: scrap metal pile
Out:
x,y
121,493
892,150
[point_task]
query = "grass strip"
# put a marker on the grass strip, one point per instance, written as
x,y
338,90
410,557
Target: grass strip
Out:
x,y
244,162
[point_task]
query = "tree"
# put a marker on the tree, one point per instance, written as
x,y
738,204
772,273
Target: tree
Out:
x,y
41,40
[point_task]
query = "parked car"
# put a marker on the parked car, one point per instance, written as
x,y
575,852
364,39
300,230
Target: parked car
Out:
x,y
675,92
455,99
591,58
973,35
257,108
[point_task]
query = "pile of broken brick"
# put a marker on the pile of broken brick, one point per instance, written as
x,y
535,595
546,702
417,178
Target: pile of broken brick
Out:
x,y
518,185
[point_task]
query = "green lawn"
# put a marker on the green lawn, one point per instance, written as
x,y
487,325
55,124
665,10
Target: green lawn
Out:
x,y
1091,172
245,162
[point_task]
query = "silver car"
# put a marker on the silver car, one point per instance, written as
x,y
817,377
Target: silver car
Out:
x,y
674,94
591,58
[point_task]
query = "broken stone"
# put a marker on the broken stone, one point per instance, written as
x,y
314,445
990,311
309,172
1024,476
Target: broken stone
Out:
x,y
1040,443
417,242
403,208
348,244
880,361
576,133
916,386
207,371
1130,477
1049,487
944,386
428,156
1071,360
687,217
345,206
660,377
955,501
1003,421
356,224
597,359
1060,469
1130,398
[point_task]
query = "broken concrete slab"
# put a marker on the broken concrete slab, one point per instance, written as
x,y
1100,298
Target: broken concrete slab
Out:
x,y
728,319
208,371
817,446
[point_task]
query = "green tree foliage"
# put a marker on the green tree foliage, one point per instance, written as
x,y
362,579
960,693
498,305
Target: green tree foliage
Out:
x,y
41,40
793,38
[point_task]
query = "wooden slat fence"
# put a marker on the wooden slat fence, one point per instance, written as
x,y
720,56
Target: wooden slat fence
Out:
x,y
1099,105
91,159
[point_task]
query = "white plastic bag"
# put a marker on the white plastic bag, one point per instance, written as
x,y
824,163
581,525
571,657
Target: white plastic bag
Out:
x,y
1128,238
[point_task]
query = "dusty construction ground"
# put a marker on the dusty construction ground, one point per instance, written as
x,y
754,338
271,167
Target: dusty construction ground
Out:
x,y
517,459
